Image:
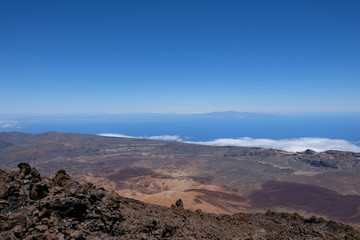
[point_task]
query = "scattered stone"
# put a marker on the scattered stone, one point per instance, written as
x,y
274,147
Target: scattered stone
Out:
x,y
178,205
62,209
62,178
76,234
41,228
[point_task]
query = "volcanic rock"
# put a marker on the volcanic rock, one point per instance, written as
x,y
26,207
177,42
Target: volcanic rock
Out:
x,y
32,207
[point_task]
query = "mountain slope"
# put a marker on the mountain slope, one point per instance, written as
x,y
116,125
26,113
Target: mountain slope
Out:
x,y
213,179
33,207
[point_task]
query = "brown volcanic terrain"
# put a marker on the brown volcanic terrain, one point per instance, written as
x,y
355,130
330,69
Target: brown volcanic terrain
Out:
x,y
34,207
213,179
307,197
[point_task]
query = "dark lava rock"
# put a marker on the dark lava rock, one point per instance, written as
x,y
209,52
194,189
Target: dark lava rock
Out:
x,y
32,208
320,164
178,205
62,178
309,151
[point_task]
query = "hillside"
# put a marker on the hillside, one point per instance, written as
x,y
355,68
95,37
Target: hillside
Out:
x,y
222,180
34,207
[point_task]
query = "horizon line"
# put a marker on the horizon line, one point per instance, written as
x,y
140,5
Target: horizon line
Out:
x,y
178,113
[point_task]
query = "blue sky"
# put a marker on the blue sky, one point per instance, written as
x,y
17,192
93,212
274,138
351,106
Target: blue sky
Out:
x,y
179,56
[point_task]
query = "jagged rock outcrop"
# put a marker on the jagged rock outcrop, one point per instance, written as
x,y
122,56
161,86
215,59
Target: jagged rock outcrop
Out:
x,y
32,207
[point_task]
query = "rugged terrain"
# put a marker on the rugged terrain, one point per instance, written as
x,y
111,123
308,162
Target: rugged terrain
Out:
x,y
213,179
34,207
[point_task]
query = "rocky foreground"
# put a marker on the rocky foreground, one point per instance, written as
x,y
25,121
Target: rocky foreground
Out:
x,y
33,207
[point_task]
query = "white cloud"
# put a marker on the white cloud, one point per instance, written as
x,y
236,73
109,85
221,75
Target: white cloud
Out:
x,y
115,135
166,138
8,124
291,145
162,137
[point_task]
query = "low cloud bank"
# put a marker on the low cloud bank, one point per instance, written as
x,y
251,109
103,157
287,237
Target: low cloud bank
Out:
x,y
8,124
115,135
162,138
291,145
166,138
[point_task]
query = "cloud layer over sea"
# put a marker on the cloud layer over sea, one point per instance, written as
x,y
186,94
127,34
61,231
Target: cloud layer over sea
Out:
x,y
291,145
8,124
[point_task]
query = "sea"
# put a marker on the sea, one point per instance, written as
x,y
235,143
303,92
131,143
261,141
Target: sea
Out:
x,y
196,127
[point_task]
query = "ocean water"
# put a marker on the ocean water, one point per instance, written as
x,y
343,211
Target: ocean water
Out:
x,y
197,127
290,132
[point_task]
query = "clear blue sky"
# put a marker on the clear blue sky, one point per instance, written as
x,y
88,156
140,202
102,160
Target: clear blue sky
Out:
x,y
179,56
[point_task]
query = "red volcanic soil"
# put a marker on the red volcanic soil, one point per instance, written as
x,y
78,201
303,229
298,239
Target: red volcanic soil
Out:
x,y
219,195
203,180
127,173
309,198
